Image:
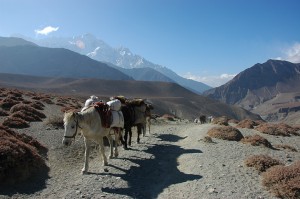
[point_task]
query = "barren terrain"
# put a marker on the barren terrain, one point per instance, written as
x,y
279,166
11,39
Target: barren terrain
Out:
x,y
173,161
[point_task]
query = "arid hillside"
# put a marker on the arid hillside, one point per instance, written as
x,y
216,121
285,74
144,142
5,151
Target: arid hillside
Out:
x,y
167,98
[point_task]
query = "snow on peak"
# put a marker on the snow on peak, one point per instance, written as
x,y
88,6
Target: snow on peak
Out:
x,y
94,52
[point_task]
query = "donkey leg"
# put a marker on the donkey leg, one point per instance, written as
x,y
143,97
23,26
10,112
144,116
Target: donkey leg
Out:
x,y
130,135
102,152
139,131
117,137
110,140
86,156
125,138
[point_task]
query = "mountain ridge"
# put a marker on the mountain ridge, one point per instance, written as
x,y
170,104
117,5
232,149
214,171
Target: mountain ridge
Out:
x,y
97,49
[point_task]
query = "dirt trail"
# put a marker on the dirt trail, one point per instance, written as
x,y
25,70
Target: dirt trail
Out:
x,y
171,162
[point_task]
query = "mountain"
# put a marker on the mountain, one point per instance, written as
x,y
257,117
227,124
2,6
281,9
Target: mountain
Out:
x,y
53,62
255,88
166,97
97,49
14,41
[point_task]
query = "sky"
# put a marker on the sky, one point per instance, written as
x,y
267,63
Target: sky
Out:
x,y
209,41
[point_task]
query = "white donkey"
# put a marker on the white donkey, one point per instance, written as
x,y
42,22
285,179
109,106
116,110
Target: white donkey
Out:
x,y
89,123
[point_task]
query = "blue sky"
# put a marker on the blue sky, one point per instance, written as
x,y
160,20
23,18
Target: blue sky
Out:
x,y
206,40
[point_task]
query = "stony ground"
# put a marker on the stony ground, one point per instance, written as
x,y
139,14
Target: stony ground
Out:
x,y
171,162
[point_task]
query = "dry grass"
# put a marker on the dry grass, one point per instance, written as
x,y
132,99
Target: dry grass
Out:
x,y
27,109
27,116
15,122
285,146
225,133
6,104
247,123
55,121
256,140
221,121
261,162
283,181
18,160
277,129
3,113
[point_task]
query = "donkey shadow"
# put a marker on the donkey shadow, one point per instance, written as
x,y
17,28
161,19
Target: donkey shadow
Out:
x,y
152,176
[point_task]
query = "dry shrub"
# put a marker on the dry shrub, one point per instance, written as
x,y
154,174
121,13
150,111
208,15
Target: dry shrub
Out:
x,y
24,138
225,133
247,123
277,129
6,104
221,121
3,113
27,116
284,146
261,162
18,160
15,122
55,121
283,181
27,109
234,121
207,139
69,108
256,140
37,105
47,100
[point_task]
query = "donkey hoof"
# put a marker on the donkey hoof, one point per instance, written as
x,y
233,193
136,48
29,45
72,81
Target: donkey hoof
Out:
x,y
83,172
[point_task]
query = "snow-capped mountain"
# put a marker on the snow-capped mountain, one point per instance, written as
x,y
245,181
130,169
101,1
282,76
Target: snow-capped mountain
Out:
x,y
97,49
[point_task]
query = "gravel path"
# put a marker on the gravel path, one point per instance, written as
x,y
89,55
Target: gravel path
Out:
x,y
171,162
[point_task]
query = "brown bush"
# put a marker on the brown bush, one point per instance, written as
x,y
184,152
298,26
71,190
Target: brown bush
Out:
x,y
207,139
18,160
277,129
261,162
284,146
220,121
247,123
5,131
3,113
6,104
27,109
15,122
283,181
37,105
234,121
256,140
27,116
225,133
47,100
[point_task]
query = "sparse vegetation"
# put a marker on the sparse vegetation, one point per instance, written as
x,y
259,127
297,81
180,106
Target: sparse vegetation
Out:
x,y
285,146
277,129
18,160
55,121
247,123
283,181
27,109
225,133
256,140
221,121
261,162
15,122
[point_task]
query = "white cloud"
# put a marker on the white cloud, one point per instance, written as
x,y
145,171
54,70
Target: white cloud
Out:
x,y
46,30
291,54
213,81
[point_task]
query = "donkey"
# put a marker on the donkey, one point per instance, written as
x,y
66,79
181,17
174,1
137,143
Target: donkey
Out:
x,y
134,113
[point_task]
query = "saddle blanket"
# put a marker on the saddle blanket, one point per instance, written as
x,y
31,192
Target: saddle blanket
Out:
x,y
117,119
